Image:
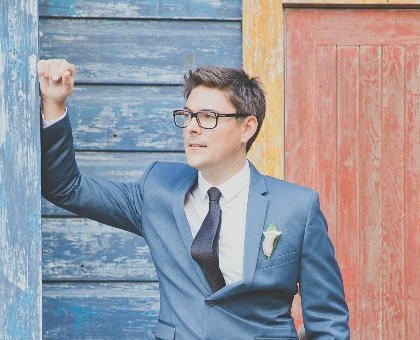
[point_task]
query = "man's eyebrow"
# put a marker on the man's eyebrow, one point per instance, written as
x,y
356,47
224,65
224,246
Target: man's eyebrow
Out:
x,y
202,110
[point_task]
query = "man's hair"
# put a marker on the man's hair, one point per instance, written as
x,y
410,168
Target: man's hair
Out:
x,y
243,91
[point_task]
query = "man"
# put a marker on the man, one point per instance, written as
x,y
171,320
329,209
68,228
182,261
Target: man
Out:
x,y
235,283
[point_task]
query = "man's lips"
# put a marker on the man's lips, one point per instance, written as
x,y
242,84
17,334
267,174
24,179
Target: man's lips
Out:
x,y
196,145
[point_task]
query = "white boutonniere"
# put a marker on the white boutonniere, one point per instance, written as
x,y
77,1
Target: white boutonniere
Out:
x,y
271,237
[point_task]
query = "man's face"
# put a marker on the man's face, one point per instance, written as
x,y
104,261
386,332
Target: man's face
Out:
x,y
218,153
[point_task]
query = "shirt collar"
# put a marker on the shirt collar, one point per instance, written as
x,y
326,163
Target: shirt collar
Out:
x,y
230,188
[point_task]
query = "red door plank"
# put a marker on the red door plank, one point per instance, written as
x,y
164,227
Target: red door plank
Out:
x,y
369,153
392,185
412,194
346,204
326,132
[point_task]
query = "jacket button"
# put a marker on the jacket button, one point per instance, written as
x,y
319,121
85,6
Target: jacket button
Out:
x,y
211,303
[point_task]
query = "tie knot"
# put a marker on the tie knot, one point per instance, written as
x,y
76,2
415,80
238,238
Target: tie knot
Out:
x,y
214,194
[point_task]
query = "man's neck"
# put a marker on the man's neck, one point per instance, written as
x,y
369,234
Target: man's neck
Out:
x,y
216,178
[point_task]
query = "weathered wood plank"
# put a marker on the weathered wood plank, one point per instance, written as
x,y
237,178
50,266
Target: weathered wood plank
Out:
x,y
140,51
100,311
78,249
300,141
347,203
326,130
412,194
370,212
128,118
115,166
392,180
20,232
263,44
186,9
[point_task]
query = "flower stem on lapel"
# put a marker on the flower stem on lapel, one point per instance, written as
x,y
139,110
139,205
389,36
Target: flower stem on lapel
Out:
x,y
271,237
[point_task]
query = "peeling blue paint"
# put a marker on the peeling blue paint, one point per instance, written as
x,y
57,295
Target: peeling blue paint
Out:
x,y
7,145
20,240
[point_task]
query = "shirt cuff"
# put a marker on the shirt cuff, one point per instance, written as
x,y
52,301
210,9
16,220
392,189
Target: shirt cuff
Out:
x,y
47,123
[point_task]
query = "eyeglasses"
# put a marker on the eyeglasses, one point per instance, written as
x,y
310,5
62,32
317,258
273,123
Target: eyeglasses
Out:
x,y
205,119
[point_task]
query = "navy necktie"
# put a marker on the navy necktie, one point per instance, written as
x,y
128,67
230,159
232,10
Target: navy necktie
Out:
x,y
205,247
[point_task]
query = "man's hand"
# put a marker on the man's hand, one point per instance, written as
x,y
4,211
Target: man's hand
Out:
x,y
56,79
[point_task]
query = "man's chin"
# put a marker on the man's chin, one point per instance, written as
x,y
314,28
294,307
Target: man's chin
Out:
x,y
194,162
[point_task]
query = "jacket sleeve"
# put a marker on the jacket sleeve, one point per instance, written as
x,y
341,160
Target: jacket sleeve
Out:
x,y
115,204
324,309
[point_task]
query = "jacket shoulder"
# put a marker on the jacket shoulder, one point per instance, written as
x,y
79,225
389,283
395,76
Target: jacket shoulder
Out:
x,y
290,194
169,174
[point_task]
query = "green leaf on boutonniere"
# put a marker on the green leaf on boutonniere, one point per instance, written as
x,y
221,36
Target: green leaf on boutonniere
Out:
x,y
272,227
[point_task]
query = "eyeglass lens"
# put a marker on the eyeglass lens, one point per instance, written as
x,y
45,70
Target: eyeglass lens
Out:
x,y
207,120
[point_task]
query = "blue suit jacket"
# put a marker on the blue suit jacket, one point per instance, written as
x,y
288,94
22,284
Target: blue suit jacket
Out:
x,y
256,308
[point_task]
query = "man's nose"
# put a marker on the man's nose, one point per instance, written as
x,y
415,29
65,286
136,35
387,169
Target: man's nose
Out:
x,y
193,125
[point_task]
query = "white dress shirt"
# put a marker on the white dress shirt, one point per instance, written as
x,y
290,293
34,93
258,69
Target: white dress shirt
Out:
x,y
233,204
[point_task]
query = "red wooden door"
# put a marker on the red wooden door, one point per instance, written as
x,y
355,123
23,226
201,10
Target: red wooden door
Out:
x,y
353,133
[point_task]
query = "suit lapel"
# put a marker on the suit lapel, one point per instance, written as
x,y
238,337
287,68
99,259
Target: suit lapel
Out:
x,y
255,219
178,201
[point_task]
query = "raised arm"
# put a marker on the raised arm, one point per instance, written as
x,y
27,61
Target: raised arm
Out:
x,y
116,204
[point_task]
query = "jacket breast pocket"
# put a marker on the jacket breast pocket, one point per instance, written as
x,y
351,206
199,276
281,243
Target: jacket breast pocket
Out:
x,y
283,259
165,331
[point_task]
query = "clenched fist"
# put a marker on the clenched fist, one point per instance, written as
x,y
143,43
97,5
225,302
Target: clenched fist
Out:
x,y
56,78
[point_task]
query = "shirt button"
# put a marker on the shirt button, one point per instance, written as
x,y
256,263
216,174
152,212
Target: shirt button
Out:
x,y
211,303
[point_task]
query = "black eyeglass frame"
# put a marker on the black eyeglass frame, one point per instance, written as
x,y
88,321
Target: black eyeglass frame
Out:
x,y
195,115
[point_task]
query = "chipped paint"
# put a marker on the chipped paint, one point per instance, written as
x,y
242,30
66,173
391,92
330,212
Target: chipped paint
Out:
x,y
20,238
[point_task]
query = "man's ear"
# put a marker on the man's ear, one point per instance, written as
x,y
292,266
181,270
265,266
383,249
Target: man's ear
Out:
x,y
249,125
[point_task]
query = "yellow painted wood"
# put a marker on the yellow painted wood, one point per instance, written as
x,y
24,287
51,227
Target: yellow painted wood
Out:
x,y
263,57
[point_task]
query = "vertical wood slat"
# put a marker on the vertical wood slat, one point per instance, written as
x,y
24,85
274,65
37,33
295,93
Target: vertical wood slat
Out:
x,y
262,34
412,194
369,154
326,128
300,140
20,231
346,177
392,184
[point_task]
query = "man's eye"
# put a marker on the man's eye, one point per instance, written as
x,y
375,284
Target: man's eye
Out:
x,y
207,115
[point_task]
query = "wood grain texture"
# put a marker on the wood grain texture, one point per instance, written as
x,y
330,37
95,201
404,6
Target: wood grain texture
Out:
x,y
168,9
125,118
345,175
78,249
370,190
376,89
392,178
140,51
100,311
20,232
412,193
263,58
326,131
